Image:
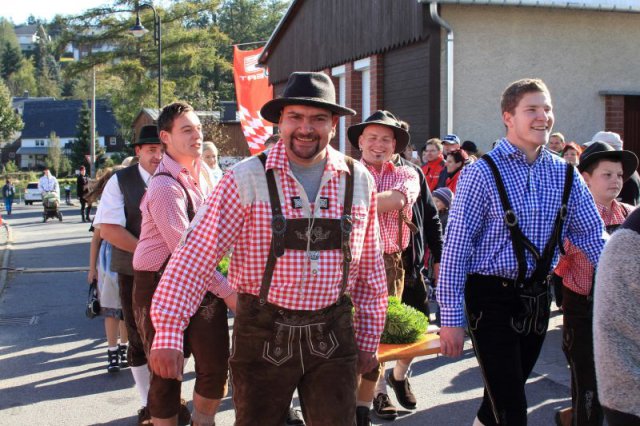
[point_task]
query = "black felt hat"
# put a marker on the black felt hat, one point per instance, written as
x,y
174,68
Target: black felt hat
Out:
x,y
148,135
383,118
600,150
305,88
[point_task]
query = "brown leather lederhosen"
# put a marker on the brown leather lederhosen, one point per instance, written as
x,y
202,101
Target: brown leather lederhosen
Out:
x,y
277,350
206,338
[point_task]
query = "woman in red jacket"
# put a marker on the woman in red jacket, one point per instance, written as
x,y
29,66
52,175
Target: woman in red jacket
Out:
x,y
454,164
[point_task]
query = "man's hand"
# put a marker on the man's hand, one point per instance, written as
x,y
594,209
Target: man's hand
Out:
x,y
167,363
92,275
231,301
436,272
451,341
367,361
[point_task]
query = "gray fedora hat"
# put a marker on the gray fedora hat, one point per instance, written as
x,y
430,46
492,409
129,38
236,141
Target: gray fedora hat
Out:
x,y
305,88
601,150
148,135
383,118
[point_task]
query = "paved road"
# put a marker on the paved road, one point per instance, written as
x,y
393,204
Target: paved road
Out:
x,y
52,358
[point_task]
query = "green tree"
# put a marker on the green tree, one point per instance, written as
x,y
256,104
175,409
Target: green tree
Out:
x,y
54,155
23,80
47,72
10,167
80,147
11,60
8,34
10,122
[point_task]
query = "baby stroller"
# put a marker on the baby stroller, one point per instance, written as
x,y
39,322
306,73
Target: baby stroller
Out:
x,y
51,204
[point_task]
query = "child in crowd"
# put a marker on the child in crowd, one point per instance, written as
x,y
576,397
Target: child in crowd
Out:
x,y
604,170
442,197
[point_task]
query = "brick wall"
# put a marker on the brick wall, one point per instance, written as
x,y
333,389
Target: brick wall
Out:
x,y
614,114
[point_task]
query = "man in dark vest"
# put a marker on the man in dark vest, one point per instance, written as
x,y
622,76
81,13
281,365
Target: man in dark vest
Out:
x,y
119,220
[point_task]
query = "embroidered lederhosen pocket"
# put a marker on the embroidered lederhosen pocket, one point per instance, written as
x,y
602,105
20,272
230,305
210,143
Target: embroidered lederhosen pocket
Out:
x,y
534,311
322,341
279,348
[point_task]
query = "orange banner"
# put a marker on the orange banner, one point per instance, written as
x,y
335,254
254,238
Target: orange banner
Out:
x,y
252,91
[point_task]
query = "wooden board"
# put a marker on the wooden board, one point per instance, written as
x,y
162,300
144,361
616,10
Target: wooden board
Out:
x,y
429,344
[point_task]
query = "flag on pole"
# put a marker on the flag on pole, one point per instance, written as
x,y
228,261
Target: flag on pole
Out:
x,y
252,91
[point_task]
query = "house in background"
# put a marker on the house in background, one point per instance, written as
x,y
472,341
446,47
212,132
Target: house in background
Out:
x,y
227,118
442,65
62,117
28,37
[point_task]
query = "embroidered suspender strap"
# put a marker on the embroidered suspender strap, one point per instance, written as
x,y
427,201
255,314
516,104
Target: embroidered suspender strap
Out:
x,y
346,225
191,213
520,241
278,228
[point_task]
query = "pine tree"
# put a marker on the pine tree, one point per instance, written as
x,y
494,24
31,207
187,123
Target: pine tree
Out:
x,y
11,60
80,146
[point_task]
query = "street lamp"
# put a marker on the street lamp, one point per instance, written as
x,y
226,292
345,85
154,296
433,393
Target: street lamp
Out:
x,y
138,30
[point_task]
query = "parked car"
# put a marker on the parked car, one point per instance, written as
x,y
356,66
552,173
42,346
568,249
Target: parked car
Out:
x,y
31,193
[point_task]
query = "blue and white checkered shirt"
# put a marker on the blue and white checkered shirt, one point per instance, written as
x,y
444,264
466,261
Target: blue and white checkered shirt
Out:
x,y
477,240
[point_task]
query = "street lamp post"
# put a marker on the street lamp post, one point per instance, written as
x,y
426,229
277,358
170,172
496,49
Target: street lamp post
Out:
x,y
138,30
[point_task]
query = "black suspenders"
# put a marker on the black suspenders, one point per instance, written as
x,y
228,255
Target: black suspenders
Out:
x,y
520,241
279,228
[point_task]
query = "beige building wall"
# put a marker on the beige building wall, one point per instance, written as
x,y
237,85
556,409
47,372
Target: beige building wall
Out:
x,y
578,53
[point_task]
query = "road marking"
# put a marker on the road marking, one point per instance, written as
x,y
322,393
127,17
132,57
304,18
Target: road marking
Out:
x,y
47,270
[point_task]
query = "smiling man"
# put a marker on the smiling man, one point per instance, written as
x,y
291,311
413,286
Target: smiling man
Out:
x,y
379,138
512,209
304,231
178,188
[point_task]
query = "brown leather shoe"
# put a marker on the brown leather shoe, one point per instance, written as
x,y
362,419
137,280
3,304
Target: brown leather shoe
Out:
x,y
402,389
383,408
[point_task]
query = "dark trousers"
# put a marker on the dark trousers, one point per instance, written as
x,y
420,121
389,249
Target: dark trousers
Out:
x,y
135,352
277,350
577,344
206,337
507,344
618,418
82,209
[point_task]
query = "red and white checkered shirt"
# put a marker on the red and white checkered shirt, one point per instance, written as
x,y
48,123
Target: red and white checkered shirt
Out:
x,y
404,180
574,267
238,215
164,212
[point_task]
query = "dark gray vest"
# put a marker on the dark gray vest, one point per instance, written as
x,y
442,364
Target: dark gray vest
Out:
x,y
133,188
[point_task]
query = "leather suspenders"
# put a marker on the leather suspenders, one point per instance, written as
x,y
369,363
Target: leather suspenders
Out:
x,y
520,241
279,229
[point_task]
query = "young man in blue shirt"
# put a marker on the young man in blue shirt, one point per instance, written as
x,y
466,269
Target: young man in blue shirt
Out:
x,y
510,212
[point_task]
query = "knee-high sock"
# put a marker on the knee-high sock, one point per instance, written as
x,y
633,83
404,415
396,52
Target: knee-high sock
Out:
x,y
142,377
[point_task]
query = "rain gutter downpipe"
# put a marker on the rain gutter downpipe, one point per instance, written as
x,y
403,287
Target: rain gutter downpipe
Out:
x,y
433,8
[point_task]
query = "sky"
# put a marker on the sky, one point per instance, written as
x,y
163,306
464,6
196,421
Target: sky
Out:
x,y
18,11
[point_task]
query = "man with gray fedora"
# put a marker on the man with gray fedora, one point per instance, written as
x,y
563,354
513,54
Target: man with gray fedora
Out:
x,y
379,138
119,219
301,220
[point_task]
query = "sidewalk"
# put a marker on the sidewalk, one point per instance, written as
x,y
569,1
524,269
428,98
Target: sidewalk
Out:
x,y
5,253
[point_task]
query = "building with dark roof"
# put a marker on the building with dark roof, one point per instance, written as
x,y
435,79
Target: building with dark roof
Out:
x,y
399,55
43,117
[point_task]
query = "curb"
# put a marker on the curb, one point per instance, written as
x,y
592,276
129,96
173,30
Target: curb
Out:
x,y
6,254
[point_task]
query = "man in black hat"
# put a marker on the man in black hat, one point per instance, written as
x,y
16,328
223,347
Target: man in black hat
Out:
x,y
604,170
379,138
119,219
308,213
